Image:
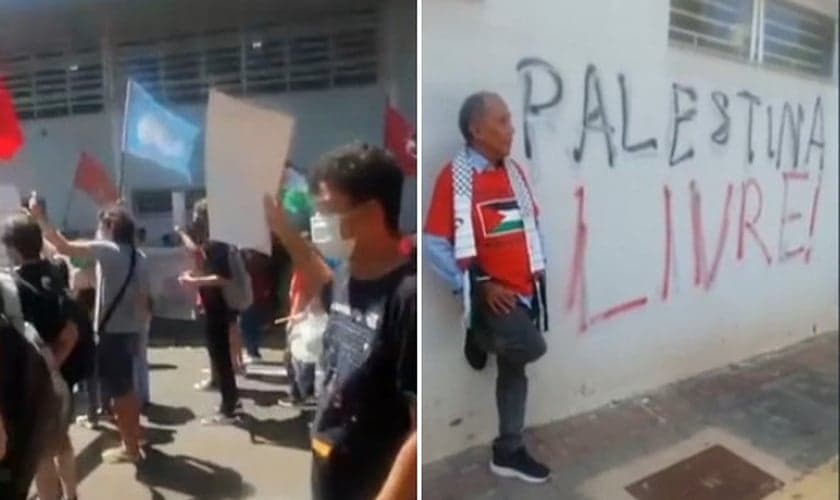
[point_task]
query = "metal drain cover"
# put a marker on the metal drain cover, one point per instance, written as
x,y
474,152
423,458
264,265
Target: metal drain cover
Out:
x,y
713,474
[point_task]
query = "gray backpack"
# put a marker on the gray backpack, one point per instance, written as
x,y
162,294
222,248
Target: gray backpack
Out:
x,y
238,294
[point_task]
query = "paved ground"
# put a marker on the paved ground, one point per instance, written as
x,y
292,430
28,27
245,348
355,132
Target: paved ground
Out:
x,y
264,457
778,412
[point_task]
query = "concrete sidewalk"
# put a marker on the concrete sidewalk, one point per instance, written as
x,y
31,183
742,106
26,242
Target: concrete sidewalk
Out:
x,y
265,456
773,418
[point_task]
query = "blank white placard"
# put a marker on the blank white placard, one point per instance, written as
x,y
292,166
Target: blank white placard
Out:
x,y
245,153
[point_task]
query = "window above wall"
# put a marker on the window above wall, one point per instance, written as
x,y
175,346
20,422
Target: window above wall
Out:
x,y
337,51
723,26
773,33
57,83
159,201
797,38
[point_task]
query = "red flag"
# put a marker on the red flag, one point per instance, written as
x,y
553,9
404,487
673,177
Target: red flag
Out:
x,y
93,179
11,135
401,140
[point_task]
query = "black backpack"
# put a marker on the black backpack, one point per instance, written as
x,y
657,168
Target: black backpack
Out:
x,y
79,364
27,396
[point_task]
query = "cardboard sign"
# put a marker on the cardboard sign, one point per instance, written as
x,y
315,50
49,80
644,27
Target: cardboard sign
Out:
x,y
245,153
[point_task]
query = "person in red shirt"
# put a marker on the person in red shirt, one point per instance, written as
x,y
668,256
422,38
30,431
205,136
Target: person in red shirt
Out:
x,y
502,283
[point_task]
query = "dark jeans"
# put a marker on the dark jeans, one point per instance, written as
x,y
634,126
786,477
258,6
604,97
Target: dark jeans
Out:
x,y
516,341
216,329
304,377
251,323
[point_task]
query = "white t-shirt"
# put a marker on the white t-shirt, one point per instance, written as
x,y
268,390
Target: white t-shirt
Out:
x,y
112,265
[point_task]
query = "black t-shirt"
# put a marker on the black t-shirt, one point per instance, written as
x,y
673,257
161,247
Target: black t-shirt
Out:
x,y
28,400
42,301
215,262
370,367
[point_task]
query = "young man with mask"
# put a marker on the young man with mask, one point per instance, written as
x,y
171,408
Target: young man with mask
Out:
x,y
122,295
365,415
483,239
43,298
212,275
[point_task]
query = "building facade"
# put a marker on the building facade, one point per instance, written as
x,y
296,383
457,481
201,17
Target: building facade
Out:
x,y
333,65
684,156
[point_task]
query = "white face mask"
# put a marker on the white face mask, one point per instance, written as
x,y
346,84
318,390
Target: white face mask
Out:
x,y
326,236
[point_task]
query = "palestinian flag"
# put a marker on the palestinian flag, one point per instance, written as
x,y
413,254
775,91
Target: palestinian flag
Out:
x,y
500,217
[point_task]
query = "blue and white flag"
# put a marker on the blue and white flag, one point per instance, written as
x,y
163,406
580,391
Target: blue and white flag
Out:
x,y
154,133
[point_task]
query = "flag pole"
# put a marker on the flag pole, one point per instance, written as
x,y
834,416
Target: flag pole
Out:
x,y
121,167
121,184
67,208
70,198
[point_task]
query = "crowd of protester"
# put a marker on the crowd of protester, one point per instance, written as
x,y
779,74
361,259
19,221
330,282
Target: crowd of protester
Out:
x,y
77,314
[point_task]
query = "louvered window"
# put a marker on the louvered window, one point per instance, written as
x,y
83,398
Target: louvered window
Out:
x,y
339,52
798,39
719,25
55,84
774,33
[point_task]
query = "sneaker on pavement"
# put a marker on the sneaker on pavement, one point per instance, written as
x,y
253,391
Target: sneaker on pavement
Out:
x,y
119,455
88,422
310,403
289,402
519,465
218,419
205,385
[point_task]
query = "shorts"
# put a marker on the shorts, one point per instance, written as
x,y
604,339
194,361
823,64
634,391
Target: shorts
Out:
x,y
115,358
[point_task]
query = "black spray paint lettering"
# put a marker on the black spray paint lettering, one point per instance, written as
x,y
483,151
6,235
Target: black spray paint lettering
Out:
x,y
770,151
753,101
795,132
679,118
526,68
596,119
625,123
721,135
812,141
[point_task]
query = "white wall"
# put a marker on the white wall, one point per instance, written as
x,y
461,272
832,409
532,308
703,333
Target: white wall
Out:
x,y
749,306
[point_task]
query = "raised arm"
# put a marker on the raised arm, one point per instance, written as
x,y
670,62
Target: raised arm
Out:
x,y
61,244
305,259
189,244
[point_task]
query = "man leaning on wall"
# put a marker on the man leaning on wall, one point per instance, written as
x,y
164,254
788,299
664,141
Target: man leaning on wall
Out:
x,y
483,239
